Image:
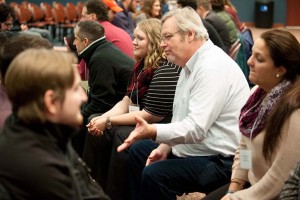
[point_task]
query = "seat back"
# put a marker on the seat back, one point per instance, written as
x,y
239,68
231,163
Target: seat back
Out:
x,y
58,16
37,13
71,12
59,13
247,37
47,8
13,4
22,14
79,6
234,50
245,52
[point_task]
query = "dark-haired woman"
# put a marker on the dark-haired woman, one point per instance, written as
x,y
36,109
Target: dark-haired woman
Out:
x,y
269,121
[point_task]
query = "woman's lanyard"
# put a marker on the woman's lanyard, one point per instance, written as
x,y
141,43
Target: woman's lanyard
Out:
x,y
135,107
246,154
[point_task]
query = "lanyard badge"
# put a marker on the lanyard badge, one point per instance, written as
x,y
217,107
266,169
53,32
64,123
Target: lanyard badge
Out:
x,y
246,159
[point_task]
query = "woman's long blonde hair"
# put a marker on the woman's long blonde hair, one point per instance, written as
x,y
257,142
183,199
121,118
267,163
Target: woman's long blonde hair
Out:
x,y
152,28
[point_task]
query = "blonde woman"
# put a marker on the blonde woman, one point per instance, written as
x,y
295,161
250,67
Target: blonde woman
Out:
x,y
153,79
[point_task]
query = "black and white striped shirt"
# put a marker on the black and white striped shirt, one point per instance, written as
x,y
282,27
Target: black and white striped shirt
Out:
x,y
160,96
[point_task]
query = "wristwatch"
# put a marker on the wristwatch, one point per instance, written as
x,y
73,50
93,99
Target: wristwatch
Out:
x,y
108,123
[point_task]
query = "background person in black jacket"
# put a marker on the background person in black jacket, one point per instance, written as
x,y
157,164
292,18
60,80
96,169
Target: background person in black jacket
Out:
x,y
109,71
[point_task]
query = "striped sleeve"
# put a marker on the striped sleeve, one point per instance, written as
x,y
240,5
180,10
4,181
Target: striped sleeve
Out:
x,y
160,96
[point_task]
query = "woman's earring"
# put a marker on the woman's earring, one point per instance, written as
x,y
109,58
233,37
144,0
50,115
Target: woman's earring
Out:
x,y
277,75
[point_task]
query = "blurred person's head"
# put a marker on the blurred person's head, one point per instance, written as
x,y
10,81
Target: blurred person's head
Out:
x,y
151,8
87,32
94,10
217,5
138,5
228,3
7,17
275,57
130,5
112,5
111,15
15,45
182,34
203,6
185,3
2,2
44,86
113,8
147,42
133,5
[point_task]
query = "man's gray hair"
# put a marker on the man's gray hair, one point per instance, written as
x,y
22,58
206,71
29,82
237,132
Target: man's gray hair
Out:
x,y
91,30
187,19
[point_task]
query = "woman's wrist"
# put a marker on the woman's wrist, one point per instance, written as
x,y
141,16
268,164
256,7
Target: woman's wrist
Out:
x,y
240,184
236,185
108,124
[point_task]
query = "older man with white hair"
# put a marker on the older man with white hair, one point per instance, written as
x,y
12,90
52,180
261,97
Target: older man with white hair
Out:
x,y
195,151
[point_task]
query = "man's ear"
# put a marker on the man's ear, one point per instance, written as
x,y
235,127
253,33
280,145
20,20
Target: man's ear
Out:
x,y
50,102
86,42
191,35
94,17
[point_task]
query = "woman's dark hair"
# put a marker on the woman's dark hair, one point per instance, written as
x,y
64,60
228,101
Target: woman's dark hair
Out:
x,y
218,5
284,49
185,3
5,12
99,8
278,116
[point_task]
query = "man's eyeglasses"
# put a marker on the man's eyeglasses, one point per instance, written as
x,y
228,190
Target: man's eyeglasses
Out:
x,y
167,37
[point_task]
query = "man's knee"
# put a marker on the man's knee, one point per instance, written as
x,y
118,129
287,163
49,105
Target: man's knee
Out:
x,y
135,150
151,173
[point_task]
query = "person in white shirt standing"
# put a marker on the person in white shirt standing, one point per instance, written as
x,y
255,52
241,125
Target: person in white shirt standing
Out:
x,y
195,151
